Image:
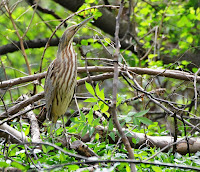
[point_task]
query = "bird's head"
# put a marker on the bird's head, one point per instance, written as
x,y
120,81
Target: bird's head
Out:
x,y
69,33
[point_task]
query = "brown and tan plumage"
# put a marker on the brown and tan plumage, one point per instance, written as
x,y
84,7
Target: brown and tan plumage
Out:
x,y
61,75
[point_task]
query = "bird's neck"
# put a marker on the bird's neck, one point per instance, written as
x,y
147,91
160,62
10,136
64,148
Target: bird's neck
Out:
x,y
63,52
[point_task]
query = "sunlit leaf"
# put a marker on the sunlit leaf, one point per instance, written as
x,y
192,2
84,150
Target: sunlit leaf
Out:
x,y
84,131
90,88
90,100
3,164
27,130
90,116
156,169
73,167
17,165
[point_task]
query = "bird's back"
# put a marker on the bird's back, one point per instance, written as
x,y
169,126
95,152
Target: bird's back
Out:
x,y
60,83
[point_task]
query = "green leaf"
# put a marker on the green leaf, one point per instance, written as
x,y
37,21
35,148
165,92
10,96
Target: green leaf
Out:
x,y
17,165
198,16
82,116
131,114
62,157
96,122
91,131
73,167
128,119
128,169
110,125
141,113
27,130
99,93
104,108
90,116
112,135
80,128
97,136
136,121
44,149
108,40
91,100
90,88
194,69
189,39
4,164
151,56
128,134
96,45
84,42
84,131
135,140
95,107
182,22
97,89
12,152
120,98
11,30
156,169
97,14
145,120
184,62
122,124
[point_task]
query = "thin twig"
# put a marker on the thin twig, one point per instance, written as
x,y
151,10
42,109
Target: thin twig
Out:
x,y
126,161
115,87
195,89
20,38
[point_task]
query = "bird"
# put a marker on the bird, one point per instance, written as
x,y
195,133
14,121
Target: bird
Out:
x,y
61,76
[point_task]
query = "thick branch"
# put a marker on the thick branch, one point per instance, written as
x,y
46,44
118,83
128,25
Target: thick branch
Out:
x,y
35,130
8,132
156,72
151,141
16,108
36,43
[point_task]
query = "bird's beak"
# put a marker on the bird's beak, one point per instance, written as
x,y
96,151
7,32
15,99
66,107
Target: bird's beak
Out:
x,y
78,26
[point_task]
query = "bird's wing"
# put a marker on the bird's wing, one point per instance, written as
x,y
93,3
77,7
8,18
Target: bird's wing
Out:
x,y
50,88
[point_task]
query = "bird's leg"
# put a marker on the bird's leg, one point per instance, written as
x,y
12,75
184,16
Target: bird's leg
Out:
x,y
64,124
52,129
65,133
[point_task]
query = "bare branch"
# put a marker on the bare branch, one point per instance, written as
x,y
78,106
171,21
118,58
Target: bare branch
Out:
x,y
16,108
127,161
16,135
35,130
113,109
186,76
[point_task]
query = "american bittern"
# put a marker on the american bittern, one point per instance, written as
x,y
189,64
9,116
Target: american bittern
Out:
x,y
61,75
